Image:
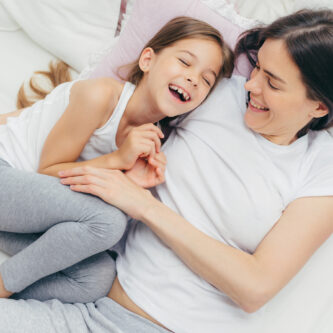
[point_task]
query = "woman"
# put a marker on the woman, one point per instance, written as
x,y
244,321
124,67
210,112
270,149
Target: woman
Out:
x,y
247,198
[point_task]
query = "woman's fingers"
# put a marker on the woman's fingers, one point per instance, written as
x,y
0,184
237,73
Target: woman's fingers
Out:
x,y
82,180
86,171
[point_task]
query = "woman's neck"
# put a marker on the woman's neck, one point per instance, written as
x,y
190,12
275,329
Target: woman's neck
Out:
x,y
282,140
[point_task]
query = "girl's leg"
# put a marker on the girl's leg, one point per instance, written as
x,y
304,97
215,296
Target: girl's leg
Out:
x,y
76,225
12,243
83,282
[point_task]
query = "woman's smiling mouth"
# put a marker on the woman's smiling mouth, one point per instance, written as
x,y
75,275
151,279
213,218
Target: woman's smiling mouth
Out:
x,y
256,107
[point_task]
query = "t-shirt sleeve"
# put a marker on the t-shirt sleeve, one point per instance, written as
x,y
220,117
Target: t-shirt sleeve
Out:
x,y
318,181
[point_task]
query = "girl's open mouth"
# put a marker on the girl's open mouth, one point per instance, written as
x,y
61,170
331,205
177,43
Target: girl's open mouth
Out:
x,y
178,92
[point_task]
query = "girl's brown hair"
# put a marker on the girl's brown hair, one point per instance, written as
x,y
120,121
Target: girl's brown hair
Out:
x,y
184,28
58,73
175,30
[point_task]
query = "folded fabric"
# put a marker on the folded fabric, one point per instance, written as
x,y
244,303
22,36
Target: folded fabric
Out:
x,y
71,30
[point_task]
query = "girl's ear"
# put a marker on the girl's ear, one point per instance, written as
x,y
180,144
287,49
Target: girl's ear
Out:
x,y
145,59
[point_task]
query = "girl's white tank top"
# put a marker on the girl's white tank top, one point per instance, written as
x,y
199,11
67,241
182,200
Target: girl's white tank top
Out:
x,y
22,138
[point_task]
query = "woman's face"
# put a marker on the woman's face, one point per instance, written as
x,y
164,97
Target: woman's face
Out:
x,y
180,76
278,107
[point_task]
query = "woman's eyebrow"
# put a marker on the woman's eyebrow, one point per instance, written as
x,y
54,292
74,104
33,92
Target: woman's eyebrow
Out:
x,y
274,76
194,56
270,73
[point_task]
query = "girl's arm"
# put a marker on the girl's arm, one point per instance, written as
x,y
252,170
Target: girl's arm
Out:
x,y
91,104
250,280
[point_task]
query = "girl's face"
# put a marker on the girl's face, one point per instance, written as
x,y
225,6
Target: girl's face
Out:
x,y
179,77
278,106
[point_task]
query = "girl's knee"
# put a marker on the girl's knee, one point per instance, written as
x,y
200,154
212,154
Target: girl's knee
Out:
x,y
93,277
110,226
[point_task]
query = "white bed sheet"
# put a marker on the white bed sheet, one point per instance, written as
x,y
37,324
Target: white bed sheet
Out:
x,y
20,57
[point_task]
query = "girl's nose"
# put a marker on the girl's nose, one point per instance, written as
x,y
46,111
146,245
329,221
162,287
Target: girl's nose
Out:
x,y
193,78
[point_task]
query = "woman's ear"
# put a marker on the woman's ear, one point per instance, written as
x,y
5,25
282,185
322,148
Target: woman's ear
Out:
x,y
145,59
320,111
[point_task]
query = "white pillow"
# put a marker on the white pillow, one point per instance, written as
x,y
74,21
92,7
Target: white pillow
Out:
x,y
300,4
265,11
71,30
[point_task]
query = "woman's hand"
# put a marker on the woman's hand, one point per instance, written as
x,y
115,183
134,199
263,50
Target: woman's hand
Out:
x,y
112,186
148,172
142,142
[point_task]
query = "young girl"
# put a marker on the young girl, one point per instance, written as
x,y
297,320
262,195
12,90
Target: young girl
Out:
x,y
101,123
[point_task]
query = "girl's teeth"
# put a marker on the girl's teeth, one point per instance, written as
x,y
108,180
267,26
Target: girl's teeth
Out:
x,y
180,91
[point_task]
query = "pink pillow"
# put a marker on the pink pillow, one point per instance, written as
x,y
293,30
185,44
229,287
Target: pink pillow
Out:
x,y
148,17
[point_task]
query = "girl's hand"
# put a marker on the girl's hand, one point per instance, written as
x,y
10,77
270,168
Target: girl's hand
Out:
x,y
112,186
148,173
142,141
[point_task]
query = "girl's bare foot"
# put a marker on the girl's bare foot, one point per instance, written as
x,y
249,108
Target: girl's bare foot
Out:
x,y
3,292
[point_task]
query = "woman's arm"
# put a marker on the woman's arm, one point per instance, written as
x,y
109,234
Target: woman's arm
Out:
x,y
250,280
91,104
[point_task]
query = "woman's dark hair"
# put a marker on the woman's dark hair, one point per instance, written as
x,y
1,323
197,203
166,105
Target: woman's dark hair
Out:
x,y
308,35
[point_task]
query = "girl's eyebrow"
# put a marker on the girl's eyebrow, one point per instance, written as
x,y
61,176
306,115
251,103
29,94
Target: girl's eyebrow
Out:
x,y
194,56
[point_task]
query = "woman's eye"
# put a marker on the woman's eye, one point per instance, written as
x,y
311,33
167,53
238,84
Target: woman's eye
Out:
x,y
270,84
184,62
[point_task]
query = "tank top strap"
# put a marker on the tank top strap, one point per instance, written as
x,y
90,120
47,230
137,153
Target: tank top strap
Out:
x,y
111,126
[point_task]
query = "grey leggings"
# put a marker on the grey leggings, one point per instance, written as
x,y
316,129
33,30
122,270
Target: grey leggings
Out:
x,y
66,227
102,316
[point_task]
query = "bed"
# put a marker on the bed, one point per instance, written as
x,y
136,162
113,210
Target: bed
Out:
x,y
32,33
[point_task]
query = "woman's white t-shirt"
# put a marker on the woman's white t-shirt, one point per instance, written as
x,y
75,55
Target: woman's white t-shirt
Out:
x,y
231,184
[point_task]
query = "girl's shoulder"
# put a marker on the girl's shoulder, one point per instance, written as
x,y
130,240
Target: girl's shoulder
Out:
x,y
101,95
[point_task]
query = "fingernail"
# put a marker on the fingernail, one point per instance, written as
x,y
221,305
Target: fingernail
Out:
x,y
61,173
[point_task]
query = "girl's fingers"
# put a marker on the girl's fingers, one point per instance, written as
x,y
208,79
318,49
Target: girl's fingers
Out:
x,y
154,138
152,127
148,148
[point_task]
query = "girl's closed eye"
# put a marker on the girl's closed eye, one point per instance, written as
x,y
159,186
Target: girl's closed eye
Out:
x,y
207,81
186,63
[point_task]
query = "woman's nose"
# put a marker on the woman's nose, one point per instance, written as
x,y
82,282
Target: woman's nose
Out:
x,y
253,84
